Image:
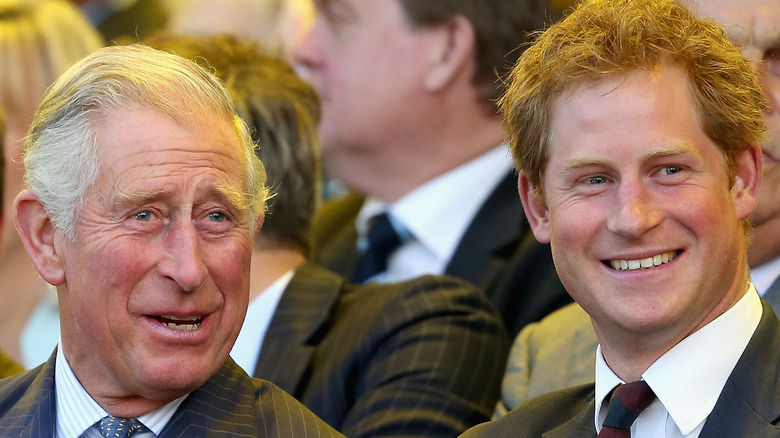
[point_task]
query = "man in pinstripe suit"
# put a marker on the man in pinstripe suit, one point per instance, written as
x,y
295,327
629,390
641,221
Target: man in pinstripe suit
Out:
x,y
143,198
419,358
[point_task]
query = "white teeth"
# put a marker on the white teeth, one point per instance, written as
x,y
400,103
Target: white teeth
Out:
x,y
182,326
181,322
181,318
656,260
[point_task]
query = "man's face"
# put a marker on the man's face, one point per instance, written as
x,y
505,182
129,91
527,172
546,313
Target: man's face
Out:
x,y
754,25
368,65
156,282
642,221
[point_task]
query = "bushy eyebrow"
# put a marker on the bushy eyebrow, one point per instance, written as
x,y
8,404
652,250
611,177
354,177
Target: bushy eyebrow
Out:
x,y
677,149
235,199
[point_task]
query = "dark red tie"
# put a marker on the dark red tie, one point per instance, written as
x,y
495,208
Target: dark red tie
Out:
x,y
627,402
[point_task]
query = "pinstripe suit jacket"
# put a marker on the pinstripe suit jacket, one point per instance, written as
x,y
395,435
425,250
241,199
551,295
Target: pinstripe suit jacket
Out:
x,y
748,406
229,404
498,253
419,358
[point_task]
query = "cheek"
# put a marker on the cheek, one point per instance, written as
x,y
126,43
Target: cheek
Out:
x,y
229,265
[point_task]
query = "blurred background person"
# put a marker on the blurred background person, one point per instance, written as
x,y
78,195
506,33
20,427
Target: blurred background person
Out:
x,y
277,24
127,21
410,127
8,366
38,41
420,358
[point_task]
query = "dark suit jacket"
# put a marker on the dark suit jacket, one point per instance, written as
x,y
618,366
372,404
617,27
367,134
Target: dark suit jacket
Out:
x,y
498,253
748,406
418,358
229,404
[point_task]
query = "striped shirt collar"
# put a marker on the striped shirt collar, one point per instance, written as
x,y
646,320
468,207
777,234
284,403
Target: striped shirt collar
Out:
x,y
77,411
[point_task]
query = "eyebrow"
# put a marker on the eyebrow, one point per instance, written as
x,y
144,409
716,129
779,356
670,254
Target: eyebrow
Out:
x,y
680,148
235,199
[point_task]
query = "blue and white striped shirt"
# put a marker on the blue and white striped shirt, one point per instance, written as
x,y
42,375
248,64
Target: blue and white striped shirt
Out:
x,y
77,412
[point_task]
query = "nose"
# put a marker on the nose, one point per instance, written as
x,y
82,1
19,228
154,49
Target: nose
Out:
x,y
307,53
634,213
184,263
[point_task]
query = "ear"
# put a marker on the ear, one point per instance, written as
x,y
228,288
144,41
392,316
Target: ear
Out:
x,y
450,53
258,226
747,179
38,234
535,209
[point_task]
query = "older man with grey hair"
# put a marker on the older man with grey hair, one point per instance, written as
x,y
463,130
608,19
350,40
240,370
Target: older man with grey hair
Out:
x,y
142,202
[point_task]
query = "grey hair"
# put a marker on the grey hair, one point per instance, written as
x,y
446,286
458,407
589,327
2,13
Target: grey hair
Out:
x,y
61,151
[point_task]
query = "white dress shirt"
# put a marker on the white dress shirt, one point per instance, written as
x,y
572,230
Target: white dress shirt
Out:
x,y
437,214
77,412
259,314
689,378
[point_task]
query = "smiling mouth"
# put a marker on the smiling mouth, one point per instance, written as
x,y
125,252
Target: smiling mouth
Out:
x,y
180,323
646,263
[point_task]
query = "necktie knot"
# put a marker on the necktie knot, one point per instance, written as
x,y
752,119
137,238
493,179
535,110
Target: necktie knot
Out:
x,y
116,427
382,240
627,402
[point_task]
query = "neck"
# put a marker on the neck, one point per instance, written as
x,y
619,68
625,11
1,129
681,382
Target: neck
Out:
x,y
630,352
389,170
269,264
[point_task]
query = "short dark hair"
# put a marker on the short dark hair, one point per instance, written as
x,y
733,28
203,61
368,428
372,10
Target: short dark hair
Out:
x,y
501,27
282,112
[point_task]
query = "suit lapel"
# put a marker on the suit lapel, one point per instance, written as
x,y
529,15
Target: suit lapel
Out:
x,y
203,412
35,413
580,426
292,337
749,405
486,240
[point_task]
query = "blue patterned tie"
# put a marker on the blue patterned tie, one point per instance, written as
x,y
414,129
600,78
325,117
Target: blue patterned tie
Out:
x,y
115,427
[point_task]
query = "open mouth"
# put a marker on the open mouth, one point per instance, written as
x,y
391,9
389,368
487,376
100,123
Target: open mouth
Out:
x,y
646,263
180,322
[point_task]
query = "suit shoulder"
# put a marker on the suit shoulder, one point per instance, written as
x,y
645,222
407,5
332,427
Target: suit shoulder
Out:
x,y
21,390
537,415
424,297
230,399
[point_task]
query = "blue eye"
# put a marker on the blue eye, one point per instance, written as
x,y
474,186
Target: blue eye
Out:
x,y
217,217
671,170
144,216
597,179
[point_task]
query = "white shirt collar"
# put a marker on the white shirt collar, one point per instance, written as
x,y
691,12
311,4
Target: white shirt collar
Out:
x,y
704,361
77,411
259,315
456,195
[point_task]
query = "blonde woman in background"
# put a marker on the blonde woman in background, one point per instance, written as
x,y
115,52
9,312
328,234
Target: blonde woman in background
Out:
x,y
39,39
